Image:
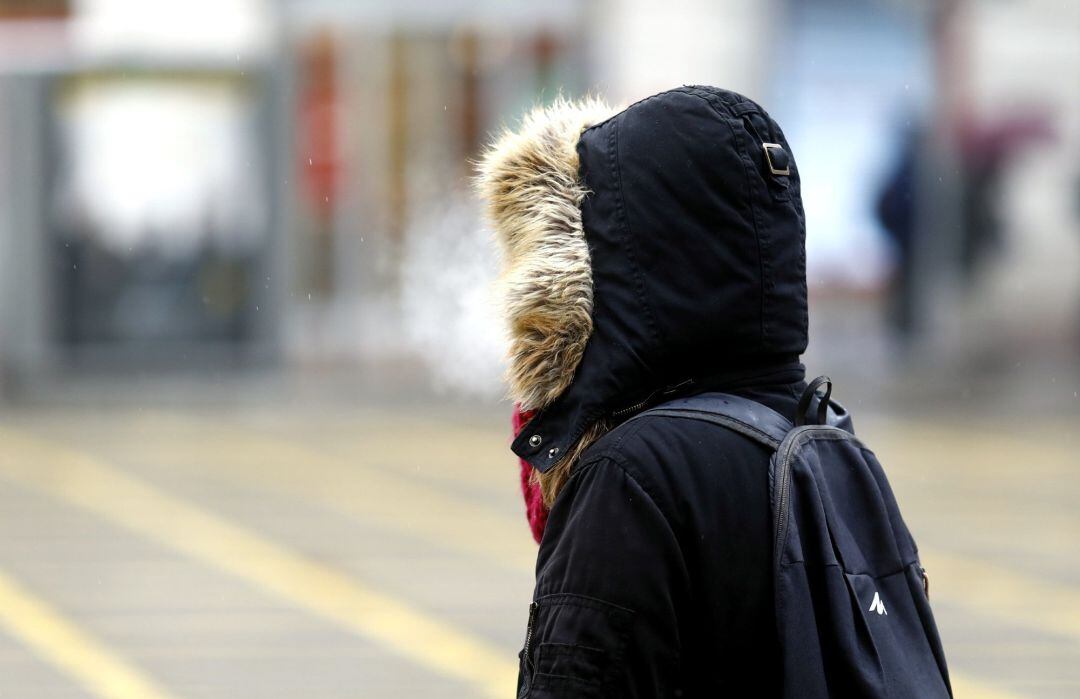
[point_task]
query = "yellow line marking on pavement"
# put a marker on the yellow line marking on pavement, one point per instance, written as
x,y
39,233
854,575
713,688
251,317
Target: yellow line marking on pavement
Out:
x,y
60,642
991,590
965,687
261,460
953,573
985,589
480,533
93,485
395,501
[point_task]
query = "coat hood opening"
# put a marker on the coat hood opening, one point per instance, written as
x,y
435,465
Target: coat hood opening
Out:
x,y
644,251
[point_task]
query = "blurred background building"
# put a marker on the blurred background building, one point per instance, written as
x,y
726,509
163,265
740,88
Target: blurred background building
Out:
x,y
256,183
265,205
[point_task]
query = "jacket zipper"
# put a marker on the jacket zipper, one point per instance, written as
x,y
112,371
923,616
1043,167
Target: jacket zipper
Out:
x,y
528,637
633,408
648,399
525,680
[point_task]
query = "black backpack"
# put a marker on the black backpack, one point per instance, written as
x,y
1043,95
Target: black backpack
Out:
x,y
851,597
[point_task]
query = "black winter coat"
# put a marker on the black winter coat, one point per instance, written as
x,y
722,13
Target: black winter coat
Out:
x,y
655,252
654,577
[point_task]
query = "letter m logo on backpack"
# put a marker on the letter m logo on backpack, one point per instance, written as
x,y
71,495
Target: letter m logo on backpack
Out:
x,y
851,604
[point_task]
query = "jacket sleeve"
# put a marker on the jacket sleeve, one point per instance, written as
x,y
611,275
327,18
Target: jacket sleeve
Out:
x,y
610,583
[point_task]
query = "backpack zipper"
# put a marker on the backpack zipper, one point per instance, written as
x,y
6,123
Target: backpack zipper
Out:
x,y
781,506
783,457
783,461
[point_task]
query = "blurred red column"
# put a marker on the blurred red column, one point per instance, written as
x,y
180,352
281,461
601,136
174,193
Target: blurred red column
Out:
x,y
319,151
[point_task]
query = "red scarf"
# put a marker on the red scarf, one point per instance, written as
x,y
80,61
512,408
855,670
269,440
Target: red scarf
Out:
x,y
534,500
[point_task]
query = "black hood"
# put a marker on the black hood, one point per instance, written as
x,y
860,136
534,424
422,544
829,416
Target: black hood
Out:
x,y
696,234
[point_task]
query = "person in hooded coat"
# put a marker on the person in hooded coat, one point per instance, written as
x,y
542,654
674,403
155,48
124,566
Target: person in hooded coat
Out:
x,y
650,253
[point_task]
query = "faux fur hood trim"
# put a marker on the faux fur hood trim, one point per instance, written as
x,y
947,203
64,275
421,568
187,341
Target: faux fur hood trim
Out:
x,y
531,186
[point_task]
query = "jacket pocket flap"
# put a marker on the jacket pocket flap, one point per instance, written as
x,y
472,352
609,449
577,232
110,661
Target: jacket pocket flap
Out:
x,y
569,660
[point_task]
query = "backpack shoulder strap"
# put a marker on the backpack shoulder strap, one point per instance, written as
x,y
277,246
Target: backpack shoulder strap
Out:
x,y
749,418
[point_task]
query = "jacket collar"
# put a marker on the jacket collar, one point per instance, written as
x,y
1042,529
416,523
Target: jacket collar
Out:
x,y
545,438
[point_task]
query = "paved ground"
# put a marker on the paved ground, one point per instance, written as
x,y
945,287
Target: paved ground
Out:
x,y
306,550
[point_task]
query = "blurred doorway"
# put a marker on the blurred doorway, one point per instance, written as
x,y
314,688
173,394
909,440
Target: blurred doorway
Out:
x,y
158,215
